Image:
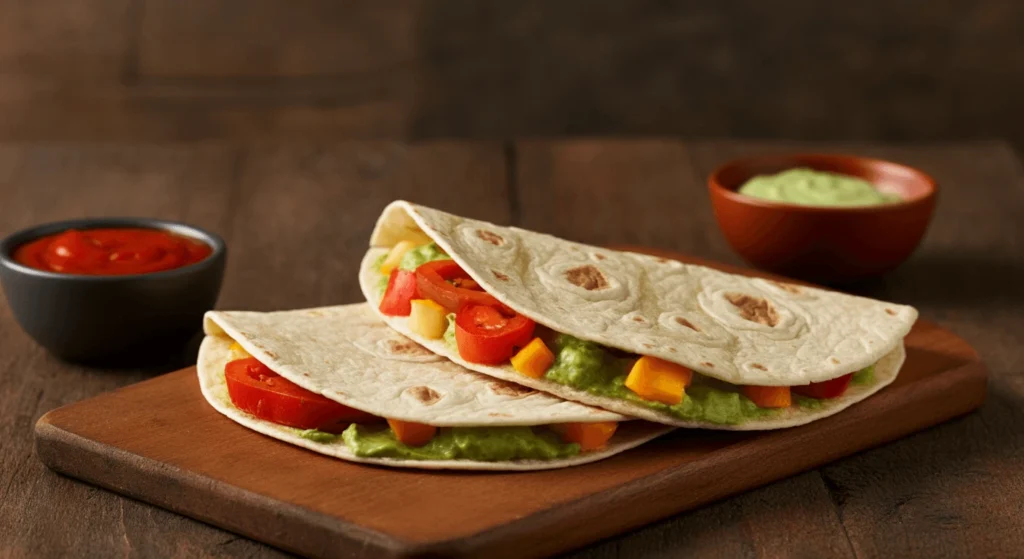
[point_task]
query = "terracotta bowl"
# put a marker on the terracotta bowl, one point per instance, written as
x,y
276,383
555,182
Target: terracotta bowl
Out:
x,y
824,244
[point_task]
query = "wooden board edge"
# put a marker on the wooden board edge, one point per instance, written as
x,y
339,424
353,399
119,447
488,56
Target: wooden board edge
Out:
x,y
549,529
282,525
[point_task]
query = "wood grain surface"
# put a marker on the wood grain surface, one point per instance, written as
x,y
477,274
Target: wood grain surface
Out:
x,y
400,69
321,507
950,491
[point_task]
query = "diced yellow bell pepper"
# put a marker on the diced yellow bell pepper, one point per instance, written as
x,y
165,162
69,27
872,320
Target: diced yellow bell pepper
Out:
x,y
395,256
238,352
659,380
428,319
533,360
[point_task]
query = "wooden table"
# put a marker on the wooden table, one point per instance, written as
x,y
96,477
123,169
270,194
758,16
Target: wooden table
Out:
x,y
297,219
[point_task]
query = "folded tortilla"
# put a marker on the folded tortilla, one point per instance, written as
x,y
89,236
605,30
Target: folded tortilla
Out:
x,y
726,327
348,355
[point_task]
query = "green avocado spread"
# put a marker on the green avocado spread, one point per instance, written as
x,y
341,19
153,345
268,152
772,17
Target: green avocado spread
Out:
x,y
416,257
807,187
864,376
484,444
588,366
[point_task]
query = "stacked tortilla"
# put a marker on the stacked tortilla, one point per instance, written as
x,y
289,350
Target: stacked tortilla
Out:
x,y
601,314
731,331
346,354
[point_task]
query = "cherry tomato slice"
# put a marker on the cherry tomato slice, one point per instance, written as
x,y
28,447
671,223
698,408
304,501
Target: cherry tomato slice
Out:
x,y
828,389
447,284
256,389
397,300
490,335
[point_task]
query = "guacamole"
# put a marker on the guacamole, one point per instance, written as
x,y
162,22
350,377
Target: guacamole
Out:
x,y
484,444
420,255
807,187
588,366
449,333
808,403
318,436
864,376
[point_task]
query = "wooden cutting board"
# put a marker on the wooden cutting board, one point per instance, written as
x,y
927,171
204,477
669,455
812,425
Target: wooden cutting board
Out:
x,y
159,441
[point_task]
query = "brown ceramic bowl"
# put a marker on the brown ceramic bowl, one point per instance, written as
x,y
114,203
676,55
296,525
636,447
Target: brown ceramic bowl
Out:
x,y
823,244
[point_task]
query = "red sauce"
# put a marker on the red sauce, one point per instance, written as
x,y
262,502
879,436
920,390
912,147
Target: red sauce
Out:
x,y
111,252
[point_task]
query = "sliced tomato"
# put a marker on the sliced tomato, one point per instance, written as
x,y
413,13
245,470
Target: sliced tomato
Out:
x,y
256,389
397,300
490,335
446,283
828,389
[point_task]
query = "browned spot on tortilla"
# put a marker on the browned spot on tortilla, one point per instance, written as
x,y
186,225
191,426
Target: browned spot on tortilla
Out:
x,y
759,366
754,309
787,287
834,360
672,349
270,354
496,414
490,237
662,260
509,389
599,256
314,313
648,346
405,347
499,275
639,319
683,322
708,364
890,312
588,277
426,395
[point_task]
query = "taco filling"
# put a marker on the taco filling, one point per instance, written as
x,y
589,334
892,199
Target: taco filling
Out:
x,y
442,302
259,391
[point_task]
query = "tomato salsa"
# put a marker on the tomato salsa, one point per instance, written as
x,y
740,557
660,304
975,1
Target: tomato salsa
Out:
x,y
111,252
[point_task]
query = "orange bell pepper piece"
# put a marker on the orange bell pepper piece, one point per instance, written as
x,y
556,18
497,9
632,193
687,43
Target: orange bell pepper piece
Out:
x,y
659,380
533,360
412,434
590,436
769,396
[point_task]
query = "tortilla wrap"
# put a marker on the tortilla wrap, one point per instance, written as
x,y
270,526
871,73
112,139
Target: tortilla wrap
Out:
x,y
737,329
346,354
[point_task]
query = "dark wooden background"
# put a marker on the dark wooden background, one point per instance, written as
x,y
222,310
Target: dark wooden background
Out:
x,y
403,69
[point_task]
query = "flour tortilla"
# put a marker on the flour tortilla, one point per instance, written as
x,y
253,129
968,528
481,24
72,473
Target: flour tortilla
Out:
x,y
734,328
346,354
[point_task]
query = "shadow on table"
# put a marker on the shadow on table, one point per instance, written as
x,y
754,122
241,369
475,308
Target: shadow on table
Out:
x,y
150,360
936,479
951,278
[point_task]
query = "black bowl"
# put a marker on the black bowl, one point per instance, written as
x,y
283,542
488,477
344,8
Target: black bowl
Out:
x,y
131,319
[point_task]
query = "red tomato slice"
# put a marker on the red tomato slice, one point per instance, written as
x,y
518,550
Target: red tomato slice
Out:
x,y
448,285
490,335
828,389
397,300
255,389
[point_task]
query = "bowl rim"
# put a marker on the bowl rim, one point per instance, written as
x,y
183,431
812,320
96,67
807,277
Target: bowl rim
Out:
x,y
28,234
716,187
